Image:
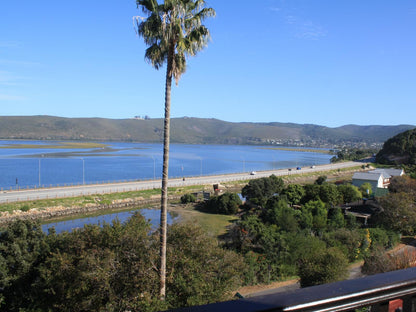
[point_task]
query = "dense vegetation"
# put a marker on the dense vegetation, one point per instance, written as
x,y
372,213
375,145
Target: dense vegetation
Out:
x,y
191,130
111,268
301,230
283,230
353,154
400,149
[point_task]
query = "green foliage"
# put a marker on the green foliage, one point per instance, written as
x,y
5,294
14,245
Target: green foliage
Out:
x,y
399,213
336,218
329,194
320,180
278,212
322,267
199,271
410,170
353,154
403,184
383,238
319,215
111,268
378,261
366,189
349,193
227,203
188,198
311,192
22,246
400,149
258,191
348,241
246,234
294,193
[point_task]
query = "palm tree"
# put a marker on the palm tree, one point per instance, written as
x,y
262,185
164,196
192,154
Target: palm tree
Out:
x,y
173,30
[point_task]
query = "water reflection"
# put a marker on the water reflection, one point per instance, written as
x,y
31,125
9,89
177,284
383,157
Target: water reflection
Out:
x,y
152,215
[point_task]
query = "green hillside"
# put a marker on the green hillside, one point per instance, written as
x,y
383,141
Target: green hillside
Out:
x,y
191,131
400,149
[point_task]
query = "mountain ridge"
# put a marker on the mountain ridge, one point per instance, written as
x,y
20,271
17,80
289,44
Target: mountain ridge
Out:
x,y
192,130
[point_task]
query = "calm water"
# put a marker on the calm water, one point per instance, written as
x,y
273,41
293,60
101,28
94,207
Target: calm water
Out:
x,y
153,215
34,167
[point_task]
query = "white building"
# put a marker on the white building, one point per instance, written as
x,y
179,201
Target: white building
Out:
x,y
378,178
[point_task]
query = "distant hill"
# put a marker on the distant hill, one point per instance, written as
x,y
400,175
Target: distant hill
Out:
x,y
400,149
192,131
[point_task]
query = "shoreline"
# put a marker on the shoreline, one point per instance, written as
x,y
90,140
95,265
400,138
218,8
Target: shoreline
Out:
x,y
58,211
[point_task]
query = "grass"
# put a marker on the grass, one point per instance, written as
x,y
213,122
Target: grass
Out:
x,y
82,201
213,224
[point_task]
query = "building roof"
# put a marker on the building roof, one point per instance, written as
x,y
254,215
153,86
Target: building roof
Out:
x,y
370,176
390,171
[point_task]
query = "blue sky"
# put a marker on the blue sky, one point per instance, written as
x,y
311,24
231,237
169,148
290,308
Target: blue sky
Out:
x,y
323,62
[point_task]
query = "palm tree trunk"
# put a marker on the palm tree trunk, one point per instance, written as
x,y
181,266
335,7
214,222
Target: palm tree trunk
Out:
x,y
164,200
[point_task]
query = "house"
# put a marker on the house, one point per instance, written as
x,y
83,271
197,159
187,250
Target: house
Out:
x,y
391,171
376,179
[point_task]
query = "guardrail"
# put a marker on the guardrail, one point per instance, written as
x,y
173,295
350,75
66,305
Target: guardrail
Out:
x,y
386,292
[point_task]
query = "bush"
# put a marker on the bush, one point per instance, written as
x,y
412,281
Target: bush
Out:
x,y
188,198
322,267
259,190
112,268
227,203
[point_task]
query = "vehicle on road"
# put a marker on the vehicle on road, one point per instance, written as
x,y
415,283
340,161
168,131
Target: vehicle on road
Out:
x,y
253,173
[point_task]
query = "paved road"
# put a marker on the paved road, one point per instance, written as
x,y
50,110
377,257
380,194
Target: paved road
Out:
x,y
72,191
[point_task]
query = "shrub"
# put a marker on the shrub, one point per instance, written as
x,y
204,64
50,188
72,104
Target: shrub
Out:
x,y
188,198
322,267
227,203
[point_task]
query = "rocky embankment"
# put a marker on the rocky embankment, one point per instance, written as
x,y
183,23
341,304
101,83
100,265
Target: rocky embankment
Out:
x,y
61,211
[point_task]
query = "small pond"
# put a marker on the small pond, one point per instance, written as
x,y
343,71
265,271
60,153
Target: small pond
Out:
x,y
153,215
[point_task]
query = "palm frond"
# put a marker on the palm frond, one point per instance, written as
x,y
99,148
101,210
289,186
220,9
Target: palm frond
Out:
x,y
177,24
155,55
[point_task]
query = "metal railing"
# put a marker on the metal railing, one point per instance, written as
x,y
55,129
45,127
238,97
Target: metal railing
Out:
x,y
392,291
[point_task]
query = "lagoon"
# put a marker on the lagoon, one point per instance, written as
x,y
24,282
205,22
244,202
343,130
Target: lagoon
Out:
x,y
32,164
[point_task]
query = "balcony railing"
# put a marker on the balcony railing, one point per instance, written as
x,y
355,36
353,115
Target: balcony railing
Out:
x,y
389,292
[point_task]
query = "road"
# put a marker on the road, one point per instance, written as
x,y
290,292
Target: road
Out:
x,y
82,190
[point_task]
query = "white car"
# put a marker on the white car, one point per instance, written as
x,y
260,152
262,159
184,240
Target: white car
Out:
x,y
253,173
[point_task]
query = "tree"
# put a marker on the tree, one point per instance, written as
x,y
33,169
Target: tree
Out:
x,y
22,246
278,212
173,31
399,213
366,189
336,218
311,192
294,193
188,198
403,184
227,203
204,272
323,267
349,193
320,180
329,194
258,191
319,215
